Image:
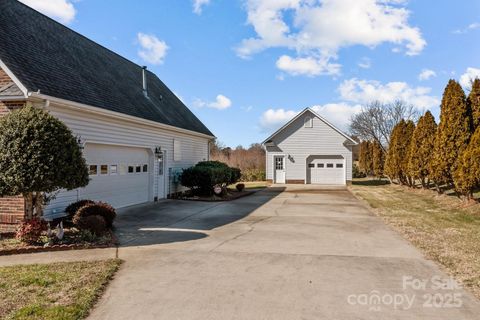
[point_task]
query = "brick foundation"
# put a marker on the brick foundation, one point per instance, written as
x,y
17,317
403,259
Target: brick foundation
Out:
x,y
295,181
12,210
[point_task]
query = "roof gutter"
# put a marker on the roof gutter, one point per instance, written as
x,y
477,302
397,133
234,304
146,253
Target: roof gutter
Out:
x,y
12,98
84,107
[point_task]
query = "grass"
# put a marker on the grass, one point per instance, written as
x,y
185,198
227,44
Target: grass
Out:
x,y
54,291
253,184
443,227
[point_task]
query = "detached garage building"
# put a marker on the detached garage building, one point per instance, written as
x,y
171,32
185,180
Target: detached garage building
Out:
x,y
309,150
135,133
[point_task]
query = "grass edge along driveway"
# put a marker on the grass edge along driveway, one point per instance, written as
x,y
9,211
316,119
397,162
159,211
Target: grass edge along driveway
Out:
x,y
64,290
444,229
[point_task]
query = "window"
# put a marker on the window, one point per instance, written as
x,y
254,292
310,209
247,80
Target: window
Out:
x,y
113,169
104,169
122,169
177,150
311,165
160,164
131,169
320,165
329,165
145,168
339,165
93,170
278,163
138,169
308,122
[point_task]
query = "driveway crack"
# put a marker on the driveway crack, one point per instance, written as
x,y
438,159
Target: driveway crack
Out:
x,y
251,228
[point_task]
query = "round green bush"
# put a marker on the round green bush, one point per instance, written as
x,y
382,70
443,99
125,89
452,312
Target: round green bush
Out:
x,y
101,209
95,224
73,208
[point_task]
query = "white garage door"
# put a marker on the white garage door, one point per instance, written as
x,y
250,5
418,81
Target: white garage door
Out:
x,y
326,171
118,175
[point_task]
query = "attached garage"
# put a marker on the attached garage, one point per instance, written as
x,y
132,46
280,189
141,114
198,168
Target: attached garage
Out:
x,y
118,175
326,170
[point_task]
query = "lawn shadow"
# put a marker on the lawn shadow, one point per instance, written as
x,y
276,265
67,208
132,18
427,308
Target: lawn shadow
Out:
x,y
370,182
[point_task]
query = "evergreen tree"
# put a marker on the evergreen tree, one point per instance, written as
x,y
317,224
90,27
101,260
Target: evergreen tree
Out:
x,y
473,101
369,158
378,159
396,165
453,133
467,173
362,157
421,147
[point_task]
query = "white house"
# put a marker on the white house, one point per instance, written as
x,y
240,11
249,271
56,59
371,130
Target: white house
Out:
x,y
135,133
309,150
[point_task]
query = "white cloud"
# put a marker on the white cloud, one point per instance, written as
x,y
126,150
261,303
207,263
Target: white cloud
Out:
x,y
273,119
469,75
470,27
308,66
152,49
221,103
338,114
61,10
321,28
365,63
365,91
426,74
198,5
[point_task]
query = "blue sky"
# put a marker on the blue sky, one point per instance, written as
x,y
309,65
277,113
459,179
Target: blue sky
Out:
x,y
244,67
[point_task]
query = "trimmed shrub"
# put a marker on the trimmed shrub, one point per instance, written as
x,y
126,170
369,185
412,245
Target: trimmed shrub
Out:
x,y
72,209
240,187
98,209
95,224
30,230
205,175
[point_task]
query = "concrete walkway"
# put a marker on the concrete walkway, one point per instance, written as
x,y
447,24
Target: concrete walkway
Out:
x,y
299,253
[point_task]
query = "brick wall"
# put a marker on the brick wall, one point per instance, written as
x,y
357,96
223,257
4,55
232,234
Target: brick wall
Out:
x,y
11,208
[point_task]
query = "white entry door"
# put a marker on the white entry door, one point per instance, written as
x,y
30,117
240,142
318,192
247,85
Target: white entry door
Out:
x,y
279,168
327,171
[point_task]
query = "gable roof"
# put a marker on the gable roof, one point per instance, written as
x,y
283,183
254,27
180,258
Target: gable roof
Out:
x,y
47,56
318,116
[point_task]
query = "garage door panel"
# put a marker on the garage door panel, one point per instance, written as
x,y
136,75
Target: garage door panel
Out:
x,y
118,188
328,171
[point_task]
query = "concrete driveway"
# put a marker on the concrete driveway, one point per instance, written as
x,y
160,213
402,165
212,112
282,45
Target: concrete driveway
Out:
x,y
295,253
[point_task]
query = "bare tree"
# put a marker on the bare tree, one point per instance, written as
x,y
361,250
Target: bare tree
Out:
x,y
376,120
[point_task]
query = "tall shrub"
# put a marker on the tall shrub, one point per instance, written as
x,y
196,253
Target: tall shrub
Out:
x,y
39,155
453,133
467,173
473,102
378,159
366,158
397,157
421,147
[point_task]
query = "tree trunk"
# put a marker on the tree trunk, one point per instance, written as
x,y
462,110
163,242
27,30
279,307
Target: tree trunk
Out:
x,y
28,206
38,204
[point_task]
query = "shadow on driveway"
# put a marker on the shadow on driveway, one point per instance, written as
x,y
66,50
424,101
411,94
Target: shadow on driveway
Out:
x,y
178,220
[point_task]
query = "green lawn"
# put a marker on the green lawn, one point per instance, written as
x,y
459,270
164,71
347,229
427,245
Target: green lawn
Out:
x,y
444,228
53,291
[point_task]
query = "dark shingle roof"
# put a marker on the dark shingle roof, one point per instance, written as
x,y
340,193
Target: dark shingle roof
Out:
x,y
47,56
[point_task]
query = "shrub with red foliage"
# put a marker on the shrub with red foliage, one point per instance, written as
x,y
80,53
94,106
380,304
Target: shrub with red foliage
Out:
x,y
97,209
30,231
240,187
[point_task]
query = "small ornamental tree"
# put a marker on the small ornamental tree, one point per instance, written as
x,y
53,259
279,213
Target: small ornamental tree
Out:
x,y
421,147
378,159
473,102
467,173
38,156
453,133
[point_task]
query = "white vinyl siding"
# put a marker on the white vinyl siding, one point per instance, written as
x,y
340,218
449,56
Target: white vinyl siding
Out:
x,y
298,142
99,129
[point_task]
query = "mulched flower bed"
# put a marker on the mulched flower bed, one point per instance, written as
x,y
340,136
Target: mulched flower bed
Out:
x,y
231,195
73,240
